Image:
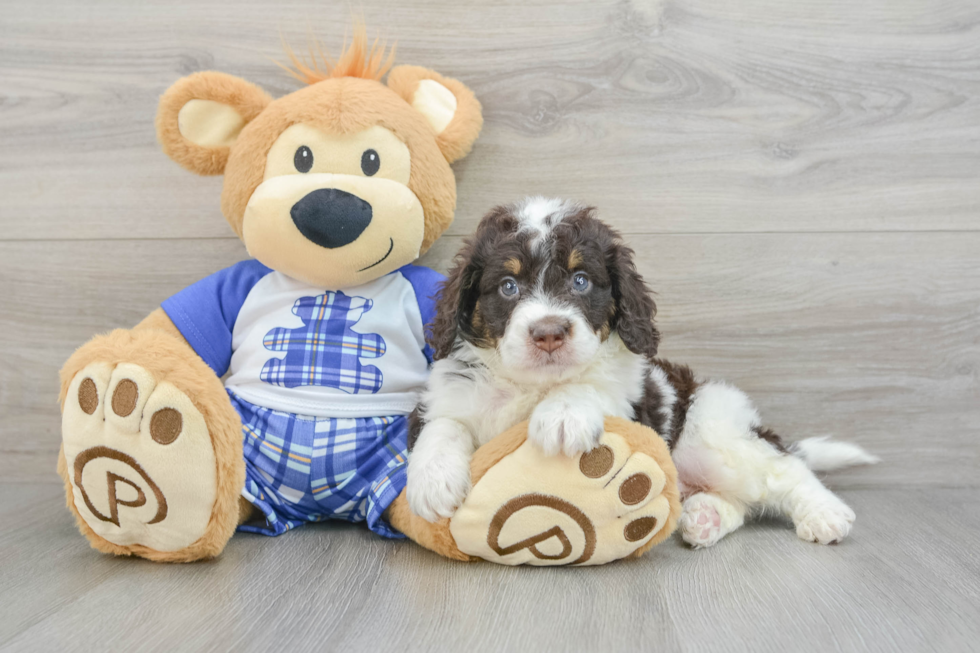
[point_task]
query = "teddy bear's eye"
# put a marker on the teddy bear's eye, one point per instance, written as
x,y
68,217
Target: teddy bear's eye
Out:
x,y
303,159
370,162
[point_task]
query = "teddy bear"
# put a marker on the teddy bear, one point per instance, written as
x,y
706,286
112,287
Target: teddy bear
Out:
x,y
276,392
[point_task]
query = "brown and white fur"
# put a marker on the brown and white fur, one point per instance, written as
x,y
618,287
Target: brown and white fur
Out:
x,y
545,318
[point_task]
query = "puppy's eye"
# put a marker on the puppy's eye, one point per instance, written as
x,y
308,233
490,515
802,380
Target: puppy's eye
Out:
x,y
509,288
303,159
370,162
580,282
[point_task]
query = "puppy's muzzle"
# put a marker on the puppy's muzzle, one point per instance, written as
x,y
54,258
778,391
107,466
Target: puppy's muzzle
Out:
x,y
549,333
331,218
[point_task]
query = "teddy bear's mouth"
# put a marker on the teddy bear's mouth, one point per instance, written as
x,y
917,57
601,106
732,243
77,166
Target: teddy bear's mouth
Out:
x,y
391,246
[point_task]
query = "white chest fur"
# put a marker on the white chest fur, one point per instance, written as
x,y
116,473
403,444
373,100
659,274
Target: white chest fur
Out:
x,y
470,387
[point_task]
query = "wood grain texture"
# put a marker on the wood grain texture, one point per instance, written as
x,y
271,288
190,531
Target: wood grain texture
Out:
x,y
799,179
338,587
673,116
872,339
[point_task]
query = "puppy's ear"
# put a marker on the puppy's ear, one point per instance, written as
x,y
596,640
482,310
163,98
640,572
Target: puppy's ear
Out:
x,y
461,290
457,300
635,310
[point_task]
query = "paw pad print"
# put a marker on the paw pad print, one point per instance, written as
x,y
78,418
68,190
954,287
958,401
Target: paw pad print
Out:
x,y
325,351
633,491
555,510
165,424
139,458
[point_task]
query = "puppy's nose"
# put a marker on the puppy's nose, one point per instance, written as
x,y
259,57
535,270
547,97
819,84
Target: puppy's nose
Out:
x,y
549,333
331,218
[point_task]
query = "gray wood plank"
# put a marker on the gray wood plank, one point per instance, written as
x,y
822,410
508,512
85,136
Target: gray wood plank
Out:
x,y
902,581
731,142
872,337
674,117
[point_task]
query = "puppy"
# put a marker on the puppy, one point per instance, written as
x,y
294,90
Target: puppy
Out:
x,y
545,318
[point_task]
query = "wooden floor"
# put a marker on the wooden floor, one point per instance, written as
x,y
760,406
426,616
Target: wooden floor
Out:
x,y
801,180
906,581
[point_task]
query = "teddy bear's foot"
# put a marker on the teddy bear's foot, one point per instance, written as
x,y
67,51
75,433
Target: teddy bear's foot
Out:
x,y
141,471
139,458
616,501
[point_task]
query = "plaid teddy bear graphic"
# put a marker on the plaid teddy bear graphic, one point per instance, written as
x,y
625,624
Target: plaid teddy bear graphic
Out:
x,y
326,350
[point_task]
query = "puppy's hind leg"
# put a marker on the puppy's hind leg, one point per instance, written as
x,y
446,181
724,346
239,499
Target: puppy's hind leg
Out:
x,y
818,514
721,463
707,518
725,458
748,465
729,466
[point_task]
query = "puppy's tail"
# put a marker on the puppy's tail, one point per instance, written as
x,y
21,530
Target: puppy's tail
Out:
x,y
825,455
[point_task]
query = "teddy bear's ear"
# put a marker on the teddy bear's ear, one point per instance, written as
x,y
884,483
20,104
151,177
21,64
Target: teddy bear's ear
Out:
x,y
448,105
201,115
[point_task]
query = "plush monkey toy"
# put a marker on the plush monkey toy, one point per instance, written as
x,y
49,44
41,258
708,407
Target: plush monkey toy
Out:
x,y
276,392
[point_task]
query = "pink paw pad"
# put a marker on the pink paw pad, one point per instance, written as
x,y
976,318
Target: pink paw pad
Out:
x,y
701,524
708,519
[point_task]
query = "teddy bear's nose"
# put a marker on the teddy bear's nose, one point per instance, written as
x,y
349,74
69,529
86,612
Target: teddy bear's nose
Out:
x,y
331,218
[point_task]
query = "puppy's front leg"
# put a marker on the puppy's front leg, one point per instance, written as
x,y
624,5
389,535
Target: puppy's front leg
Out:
x,y
439,469
569,420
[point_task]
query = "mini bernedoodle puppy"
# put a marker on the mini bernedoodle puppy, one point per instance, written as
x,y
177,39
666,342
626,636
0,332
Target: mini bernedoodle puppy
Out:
x,y
545,318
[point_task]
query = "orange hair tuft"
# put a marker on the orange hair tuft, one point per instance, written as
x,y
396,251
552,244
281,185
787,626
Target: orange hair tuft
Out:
x,y
356,60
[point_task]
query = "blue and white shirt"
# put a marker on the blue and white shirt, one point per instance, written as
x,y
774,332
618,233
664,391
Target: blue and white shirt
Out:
x,y
287,346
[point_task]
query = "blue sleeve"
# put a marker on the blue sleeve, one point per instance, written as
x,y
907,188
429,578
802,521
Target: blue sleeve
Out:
x,y
205,313
426,283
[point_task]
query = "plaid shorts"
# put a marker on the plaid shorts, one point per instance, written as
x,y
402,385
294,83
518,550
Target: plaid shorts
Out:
x,y
306,469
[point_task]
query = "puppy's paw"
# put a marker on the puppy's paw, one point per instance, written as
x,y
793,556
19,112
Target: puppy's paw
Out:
x,y
700,524
559,427
707,518
827,524
437,485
